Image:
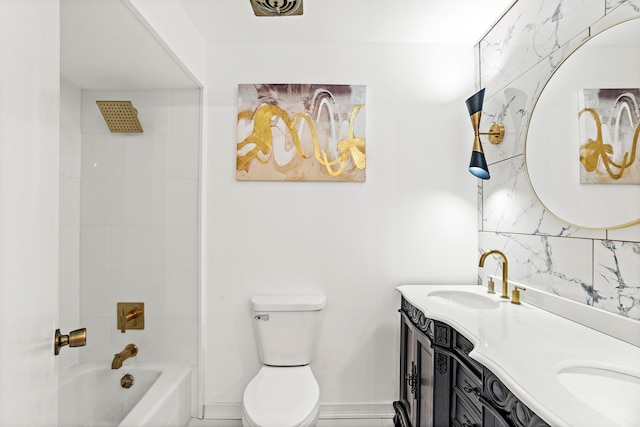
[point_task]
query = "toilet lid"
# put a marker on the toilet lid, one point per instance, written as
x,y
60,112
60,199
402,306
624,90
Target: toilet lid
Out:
x,y
281,396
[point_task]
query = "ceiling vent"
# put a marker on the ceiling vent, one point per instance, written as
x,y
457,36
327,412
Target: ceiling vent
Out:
x,y
277,7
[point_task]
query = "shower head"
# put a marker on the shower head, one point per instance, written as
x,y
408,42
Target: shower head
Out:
x,y
120,116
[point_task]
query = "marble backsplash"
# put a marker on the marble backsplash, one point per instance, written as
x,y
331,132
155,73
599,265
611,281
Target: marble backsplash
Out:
x,y
600,268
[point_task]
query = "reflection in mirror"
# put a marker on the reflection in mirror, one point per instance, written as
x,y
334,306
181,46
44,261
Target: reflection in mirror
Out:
x,y
557,131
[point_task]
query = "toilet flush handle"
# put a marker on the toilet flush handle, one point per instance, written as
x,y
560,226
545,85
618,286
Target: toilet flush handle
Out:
x,y
261,317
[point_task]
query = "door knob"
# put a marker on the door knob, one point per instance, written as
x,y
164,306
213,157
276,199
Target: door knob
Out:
x,y
77,338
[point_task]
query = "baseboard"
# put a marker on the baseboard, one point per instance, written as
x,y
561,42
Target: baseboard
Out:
x,y
356,411
223,411
233,411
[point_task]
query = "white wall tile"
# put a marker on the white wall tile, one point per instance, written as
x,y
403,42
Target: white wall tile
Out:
x,y
154,110
182,202
183,150
102,201
95,248
136,247
138,156
98,153
99,292
127,201
137,203
162,341
180,295
180,252
99,347
91,118
185,114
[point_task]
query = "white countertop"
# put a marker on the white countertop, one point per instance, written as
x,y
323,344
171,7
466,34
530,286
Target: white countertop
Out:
x,y
525,347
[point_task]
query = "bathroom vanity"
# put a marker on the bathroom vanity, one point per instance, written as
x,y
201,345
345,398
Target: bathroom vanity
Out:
x,y
468,358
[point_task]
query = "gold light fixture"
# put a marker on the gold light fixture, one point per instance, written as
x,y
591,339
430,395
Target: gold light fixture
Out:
x,y
276,7
478,165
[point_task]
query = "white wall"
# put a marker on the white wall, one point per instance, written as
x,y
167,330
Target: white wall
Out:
x,y
139,225
413,220
29,134
70,157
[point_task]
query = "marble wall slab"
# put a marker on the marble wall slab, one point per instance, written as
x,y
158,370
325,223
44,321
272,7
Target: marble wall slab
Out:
x,y
530,33
556,265
616,277
600,268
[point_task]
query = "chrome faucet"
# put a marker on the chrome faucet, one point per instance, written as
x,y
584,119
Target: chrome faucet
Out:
x,y
129,351
505,270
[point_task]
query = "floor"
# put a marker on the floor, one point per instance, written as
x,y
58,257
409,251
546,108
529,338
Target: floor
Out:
x,y
321,423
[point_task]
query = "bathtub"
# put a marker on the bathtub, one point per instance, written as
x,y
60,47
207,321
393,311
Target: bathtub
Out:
x,y
90,395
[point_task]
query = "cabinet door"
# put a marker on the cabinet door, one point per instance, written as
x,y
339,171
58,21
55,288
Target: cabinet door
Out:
x,y
406,408
425,363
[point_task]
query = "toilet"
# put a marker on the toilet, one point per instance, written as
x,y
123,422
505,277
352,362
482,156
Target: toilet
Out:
x,y
284,393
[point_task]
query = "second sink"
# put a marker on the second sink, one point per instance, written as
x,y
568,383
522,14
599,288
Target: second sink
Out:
x,y
612,393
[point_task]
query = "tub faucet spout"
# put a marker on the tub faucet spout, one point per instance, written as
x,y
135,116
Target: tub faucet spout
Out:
x,y
505,270
129,351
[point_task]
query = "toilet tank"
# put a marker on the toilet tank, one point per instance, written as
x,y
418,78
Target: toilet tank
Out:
x,y
287,327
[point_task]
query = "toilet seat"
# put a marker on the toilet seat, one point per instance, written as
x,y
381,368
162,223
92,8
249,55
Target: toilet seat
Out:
x,y
281,397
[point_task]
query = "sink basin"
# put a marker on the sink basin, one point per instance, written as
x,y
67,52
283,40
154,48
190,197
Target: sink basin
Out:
x,y
614,394
465,299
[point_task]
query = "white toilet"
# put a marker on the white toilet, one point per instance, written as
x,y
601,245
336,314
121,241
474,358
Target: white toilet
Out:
x,y
284,393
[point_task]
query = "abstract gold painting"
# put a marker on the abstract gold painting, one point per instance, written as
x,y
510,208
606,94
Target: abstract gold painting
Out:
x,y
609,132
301,132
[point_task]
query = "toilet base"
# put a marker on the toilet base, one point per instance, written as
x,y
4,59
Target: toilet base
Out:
x,y
312,422
281,397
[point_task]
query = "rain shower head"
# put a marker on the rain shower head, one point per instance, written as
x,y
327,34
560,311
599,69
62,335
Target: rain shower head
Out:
x,y
120,116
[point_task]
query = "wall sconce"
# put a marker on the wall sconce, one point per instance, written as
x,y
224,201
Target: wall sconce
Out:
x,y
478,164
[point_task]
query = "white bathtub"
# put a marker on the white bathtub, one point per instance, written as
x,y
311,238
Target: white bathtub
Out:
x,y
90,395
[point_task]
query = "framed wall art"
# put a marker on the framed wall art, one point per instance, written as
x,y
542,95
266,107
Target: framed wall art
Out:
x,y
301,132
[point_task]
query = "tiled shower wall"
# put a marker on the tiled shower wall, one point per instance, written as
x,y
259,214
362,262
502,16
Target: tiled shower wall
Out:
x,y
129,223
600,268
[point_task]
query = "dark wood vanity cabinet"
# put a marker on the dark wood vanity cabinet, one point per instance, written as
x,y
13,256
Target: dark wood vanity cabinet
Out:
x,y
440,385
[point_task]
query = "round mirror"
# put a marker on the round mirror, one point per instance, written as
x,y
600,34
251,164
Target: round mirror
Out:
x,y
582,150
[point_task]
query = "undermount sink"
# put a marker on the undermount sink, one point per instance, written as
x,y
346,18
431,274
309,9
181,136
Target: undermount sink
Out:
x,y
612,393
465,299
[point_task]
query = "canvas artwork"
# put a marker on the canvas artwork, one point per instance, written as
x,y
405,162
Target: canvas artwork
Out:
x,y
301,132
609,132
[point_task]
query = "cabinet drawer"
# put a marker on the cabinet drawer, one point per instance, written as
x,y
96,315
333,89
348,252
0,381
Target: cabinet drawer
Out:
x,y
463,347
467,384
463,413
